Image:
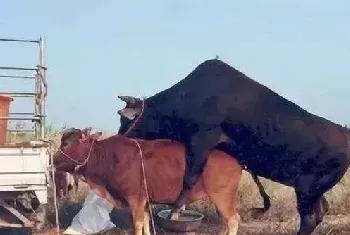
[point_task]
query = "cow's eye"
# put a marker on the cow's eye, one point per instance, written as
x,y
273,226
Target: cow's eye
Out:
x,y
64,144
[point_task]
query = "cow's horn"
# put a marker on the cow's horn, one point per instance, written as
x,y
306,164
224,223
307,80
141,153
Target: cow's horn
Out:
x,y
128,99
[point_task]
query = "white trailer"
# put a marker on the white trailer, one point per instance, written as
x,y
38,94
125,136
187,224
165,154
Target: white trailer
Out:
x,y
24,157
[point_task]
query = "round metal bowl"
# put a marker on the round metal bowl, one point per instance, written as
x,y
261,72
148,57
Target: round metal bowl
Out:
x,y
189,220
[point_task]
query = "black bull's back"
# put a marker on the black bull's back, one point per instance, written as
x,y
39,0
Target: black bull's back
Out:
x,y
272,136
268,131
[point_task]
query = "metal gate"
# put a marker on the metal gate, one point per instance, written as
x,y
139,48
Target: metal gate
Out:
x,y
38,94
23,163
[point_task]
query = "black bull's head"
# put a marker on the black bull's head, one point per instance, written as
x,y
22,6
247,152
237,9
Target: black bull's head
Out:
x,y
128,114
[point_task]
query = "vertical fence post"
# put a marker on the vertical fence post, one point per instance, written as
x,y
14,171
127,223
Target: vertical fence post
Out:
x,y
43,88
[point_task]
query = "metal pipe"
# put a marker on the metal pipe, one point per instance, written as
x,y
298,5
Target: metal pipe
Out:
x,y
43,88
19,94
22,113
20,118
17,68
17,40
16,76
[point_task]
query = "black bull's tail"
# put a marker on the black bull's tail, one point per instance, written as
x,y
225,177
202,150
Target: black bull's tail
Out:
x,y
263,194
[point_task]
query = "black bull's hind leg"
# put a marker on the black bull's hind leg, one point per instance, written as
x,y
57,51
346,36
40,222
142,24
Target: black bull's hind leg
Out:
x,y
312,205
197,153
311,210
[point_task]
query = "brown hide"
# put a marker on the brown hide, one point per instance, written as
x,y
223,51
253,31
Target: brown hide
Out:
x,y
165,164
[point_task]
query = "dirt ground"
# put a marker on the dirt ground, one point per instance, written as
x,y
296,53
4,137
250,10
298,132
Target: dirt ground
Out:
x,y
281,219
332,225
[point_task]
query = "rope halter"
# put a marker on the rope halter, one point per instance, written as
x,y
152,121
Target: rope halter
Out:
x,y
79,164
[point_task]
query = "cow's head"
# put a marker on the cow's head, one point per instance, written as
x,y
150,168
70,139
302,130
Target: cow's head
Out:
x,y
130,113
76,147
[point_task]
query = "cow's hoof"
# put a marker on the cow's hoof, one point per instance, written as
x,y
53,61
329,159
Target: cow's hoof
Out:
x,y
256,213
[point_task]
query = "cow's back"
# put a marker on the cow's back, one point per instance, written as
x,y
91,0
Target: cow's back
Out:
x,y
165,167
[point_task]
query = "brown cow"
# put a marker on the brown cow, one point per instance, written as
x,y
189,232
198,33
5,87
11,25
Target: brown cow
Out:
x,y
113,168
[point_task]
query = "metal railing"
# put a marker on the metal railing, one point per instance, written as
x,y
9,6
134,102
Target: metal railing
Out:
x,y
39,94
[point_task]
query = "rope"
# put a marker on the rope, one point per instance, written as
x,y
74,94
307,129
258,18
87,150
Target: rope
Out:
x,y
79,164
145,183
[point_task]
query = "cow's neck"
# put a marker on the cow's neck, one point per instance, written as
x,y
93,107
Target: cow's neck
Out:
x,y
95,169
108,163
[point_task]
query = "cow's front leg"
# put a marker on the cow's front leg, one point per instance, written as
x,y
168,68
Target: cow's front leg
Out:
x,y
137,206
146,220
197,152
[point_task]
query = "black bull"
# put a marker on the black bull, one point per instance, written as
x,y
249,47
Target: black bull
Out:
x,y
272,136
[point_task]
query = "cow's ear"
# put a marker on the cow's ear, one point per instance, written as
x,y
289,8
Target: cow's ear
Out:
x,y
96,136
129,113
86,132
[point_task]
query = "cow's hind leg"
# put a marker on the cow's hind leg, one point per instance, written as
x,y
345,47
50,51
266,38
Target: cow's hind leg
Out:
x,y
222,189
197,152
226,207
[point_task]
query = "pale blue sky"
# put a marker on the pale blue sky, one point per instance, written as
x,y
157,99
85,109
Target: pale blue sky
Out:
x,y
96,50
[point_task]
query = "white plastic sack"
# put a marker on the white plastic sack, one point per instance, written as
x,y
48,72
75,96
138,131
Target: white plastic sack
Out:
x,y
93,217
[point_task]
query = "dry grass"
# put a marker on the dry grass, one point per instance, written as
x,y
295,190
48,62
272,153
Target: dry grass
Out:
x,y
283,210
